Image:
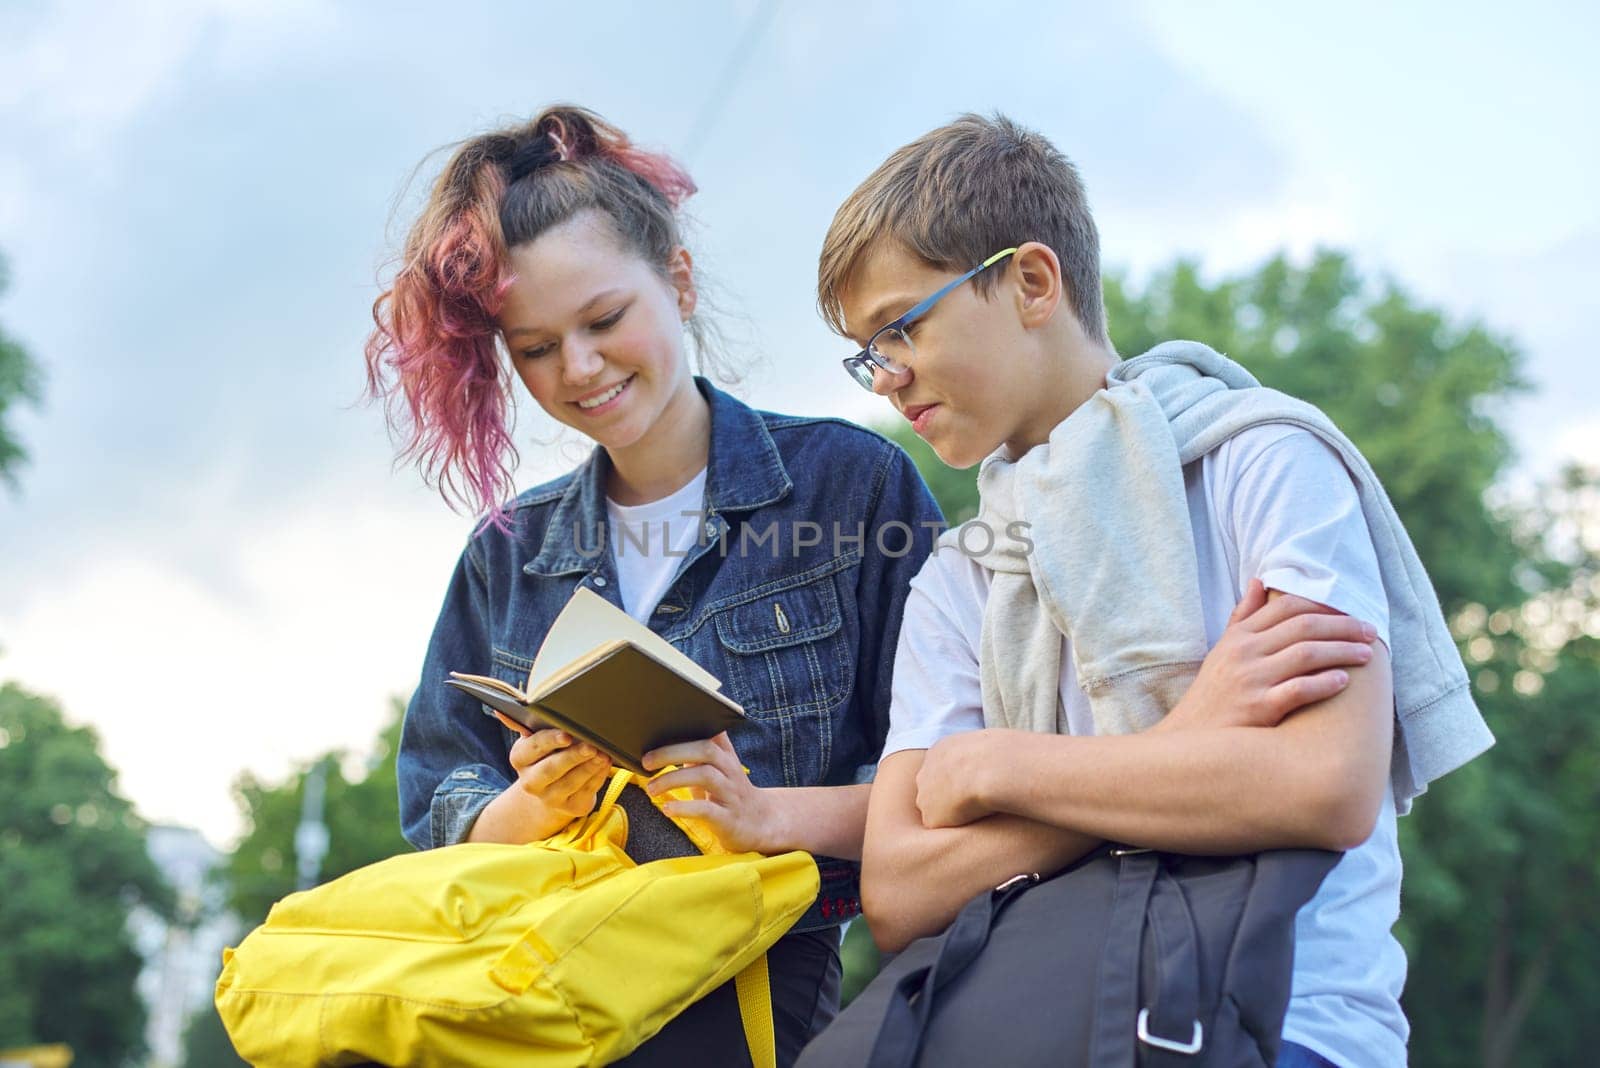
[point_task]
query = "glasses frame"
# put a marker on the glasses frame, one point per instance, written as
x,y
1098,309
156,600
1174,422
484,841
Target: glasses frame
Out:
x,y
869,357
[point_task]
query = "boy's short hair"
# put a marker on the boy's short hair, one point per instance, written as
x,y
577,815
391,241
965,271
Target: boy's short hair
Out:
x,y
957,195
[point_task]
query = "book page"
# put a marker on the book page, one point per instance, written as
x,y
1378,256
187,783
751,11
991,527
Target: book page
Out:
x,y
494,684
589,621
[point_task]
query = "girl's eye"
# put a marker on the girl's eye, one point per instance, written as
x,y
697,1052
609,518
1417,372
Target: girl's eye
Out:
x,y
537,351
609,321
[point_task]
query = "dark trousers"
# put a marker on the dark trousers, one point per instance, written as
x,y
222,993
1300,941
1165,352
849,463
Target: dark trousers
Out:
x,y
804,973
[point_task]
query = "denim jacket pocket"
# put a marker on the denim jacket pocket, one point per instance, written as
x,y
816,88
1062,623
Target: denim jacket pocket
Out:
x,y
510,668
786,661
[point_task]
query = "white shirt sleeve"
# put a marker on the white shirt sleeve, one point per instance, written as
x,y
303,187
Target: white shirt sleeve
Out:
x,y
936,690
1295,517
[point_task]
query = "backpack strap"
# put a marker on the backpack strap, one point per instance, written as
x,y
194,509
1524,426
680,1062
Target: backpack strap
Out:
x,y
755,1009
1113,1042
619,780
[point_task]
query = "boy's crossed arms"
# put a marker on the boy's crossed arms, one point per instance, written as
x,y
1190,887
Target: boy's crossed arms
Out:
x,y
1283,740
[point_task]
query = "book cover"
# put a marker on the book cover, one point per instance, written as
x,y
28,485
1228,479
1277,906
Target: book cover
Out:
x,y
604,677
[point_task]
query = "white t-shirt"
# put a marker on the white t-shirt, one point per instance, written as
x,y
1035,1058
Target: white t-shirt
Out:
x,y
1276,503
649,542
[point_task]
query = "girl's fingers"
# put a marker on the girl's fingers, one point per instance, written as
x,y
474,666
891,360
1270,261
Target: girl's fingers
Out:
x,y
702,809
705,776
511,725
583,781
684,753
543,774
532,748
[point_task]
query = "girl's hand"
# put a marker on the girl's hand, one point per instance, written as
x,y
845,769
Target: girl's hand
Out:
x,y
1275,657
744,817
557,782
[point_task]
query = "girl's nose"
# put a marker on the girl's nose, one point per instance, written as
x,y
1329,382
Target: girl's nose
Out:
x,y
580,364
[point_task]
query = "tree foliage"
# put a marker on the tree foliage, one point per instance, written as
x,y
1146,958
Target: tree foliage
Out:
x,y
362,816
1502,857
19,382
72,865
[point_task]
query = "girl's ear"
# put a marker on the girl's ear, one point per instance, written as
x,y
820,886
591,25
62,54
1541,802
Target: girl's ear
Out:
x,y
680,272
1040,286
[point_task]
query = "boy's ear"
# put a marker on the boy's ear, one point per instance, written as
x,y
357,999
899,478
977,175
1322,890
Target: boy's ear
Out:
x,y
1040,286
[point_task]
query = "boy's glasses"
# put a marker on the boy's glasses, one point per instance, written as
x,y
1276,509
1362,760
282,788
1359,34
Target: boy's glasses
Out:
x,y
890,348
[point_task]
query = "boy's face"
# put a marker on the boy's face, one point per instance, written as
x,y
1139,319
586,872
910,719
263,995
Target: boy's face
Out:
x,y
966,387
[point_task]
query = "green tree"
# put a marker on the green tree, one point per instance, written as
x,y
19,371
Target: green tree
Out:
x,y
1502,857
206,1043
956,491
19,381
362,816
72,864
1417,393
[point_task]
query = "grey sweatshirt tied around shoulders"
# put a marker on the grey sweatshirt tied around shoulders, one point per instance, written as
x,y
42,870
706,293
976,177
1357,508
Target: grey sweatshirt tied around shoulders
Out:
x,y
1107,558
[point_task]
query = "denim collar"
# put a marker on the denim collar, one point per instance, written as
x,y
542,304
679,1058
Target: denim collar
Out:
x,y
744,472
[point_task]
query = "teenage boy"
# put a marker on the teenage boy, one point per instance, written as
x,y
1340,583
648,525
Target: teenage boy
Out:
x,y
1052,687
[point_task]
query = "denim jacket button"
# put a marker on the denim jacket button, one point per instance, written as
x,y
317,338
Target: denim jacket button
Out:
x,y
600,580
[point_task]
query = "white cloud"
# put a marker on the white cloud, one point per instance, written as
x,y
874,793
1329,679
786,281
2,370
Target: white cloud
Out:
x,y
189,686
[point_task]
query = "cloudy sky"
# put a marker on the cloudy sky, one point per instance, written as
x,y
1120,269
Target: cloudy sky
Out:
x,y
213,559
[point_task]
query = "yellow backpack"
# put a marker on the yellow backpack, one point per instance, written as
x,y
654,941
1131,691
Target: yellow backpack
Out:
x,y
561,952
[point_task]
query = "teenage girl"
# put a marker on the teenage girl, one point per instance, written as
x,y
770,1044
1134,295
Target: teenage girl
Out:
x,y
774,550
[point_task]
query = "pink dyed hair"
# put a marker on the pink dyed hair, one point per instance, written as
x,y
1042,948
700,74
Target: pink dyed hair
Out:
x,y
432,354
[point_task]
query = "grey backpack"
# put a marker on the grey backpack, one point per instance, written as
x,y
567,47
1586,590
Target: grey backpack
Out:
x,y
1128,958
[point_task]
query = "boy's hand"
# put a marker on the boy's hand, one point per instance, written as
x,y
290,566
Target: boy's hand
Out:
x,y
949,783
1276,656
744,817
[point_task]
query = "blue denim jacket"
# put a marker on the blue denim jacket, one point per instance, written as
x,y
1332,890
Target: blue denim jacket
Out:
x,y
793,598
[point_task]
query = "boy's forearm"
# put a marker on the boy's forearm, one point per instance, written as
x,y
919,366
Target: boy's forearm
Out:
x,y
915,886
1208,793
1314,781
915,879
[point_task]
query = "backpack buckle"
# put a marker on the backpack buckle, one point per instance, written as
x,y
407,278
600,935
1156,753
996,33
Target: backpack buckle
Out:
x,y
1187,1048
1017,880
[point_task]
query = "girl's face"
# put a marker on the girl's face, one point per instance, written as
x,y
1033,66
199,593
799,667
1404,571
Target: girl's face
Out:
x,y
596,333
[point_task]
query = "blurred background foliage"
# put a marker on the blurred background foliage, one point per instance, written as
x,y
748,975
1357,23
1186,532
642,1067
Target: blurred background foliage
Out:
x,y
20,383
72,867
1502,858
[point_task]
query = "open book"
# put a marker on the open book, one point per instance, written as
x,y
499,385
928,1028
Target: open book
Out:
x,y
606,678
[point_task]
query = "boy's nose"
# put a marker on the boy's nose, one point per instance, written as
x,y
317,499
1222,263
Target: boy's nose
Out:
x,y
885,383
